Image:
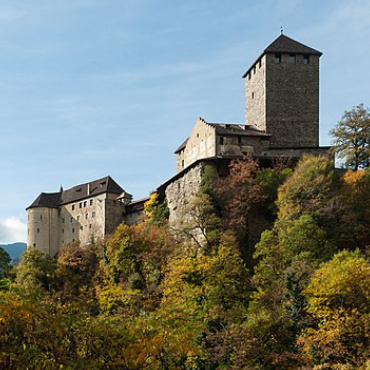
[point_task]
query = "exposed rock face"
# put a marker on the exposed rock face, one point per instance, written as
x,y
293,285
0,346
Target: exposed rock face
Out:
x,y
182,191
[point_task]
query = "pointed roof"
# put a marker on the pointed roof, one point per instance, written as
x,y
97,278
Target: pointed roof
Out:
x,y
284,44
78,192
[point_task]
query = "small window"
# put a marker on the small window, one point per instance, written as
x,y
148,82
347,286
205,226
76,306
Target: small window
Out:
x,y
71,220
78,218
254,70
291,58
62,231
86,216
306,59
182,163
93,214
221,140
90,226
197,135
81,228
73,230
239,139
249,75
278,58
252,95
73,207
91,202
38,230
73,240
260,63
85,203
80,205
63,220
34,244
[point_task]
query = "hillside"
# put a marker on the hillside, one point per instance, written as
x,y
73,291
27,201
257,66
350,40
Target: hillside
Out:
x,y
14,250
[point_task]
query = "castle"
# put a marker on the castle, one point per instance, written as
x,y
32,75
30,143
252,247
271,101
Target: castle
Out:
x,y
281,120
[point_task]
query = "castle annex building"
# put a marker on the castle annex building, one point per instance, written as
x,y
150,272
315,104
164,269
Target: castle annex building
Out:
x,y
281,120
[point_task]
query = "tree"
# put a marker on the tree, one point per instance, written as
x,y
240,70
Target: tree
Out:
x,y
352,137
339,299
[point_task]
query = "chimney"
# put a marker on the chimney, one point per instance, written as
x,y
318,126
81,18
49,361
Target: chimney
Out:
x,y
88,188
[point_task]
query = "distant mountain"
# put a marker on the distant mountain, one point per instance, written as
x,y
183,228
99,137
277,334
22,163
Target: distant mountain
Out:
x,y
15,249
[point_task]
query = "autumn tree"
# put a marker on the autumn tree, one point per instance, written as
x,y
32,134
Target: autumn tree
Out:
x,y
339,300
352,137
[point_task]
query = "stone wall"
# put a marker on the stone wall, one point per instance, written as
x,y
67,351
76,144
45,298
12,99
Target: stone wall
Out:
x,y
201,144
255,95
181,191
43,229
292,101
241,145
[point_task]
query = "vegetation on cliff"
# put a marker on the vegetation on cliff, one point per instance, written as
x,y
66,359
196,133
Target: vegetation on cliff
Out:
x,y
198,296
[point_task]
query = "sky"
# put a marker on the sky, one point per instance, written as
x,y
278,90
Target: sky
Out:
x,y
90,88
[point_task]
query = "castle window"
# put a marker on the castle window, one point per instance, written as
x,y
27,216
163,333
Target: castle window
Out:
x,y
62,231
197,135
38,230
73,207
80,205
291,58
91,202
260,63
86,216
90,226
221,140
277,58
93,214
239,139
252,95
306,59
78,218
81,228
63,220
85,203
249,75
71,220
182,163
34,244
73,230
254,70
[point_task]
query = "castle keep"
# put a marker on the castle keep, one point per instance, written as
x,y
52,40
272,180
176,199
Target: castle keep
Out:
x,y
281,120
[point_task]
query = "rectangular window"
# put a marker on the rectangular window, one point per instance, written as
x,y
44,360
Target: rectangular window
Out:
x,y
239,139
62,231
249,75
81,228
90,226
63,220
306,59
80,205
254,70
252,95
93,214
278,58
91,202
73,207
78,218
38,230
221,140
85,203
86,216
73,230
291,58
260,63
182,163
71,220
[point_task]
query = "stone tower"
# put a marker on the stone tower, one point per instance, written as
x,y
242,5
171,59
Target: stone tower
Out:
x,y
282,94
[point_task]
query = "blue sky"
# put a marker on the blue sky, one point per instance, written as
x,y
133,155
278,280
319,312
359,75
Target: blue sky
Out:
x,y
95,87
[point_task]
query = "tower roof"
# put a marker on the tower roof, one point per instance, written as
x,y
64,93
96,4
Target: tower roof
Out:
x,y
284,44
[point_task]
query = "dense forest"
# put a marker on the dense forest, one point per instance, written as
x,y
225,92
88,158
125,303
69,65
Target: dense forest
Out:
x,y
198,295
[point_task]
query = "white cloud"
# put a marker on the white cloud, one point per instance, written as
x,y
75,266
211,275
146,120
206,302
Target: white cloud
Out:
x,y
12,230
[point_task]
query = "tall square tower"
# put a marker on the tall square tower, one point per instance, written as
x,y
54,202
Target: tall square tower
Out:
x,y
282,94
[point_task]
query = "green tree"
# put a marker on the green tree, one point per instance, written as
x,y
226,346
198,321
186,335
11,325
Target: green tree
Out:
x,y
352,137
